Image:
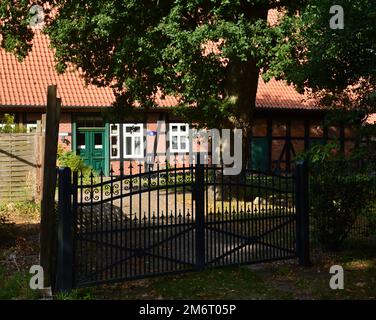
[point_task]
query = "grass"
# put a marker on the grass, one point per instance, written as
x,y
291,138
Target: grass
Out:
x,y
18,249
226,283
283,280
359,263
77,294
16,286
214,284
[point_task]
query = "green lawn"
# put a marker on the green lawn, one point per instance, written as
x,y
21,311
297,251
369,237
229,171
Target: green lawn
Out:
x,y
16,286
279,280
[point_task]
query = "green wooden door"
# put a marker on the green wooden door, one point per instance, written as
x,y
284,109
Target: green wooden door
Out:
x,y
259,154
91,148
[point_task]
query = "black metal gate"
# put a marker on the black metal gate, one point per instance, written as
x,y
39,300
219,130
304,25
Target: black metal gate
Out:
x,y
176,219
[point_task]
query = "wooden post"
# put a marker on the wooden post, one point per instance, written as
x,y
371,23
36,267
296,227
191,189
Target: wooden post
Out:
x,y
48,215
64,268
39,161
43,144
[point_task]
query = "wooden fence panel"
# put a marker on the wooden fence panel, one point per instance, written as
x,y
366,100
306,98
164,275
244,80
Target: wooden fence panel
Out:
x,y
19,166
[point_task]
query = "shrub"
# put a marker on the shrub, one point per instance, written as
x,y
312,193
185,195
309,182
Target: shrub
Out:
x,y
340,192
336,204
70,159
368,227
9,126
73,161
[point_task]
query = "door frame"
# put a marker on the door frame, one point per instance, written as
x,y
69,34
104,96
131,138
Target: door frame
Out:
x,y
106,142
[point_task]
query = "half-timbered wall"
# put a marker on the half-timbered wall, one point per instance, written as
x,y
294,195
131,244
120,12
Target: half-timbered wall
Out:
x,y
279,139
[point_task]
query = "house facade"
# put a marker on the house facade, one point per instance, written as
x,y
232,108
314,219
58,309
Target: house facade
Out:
x,y
286,123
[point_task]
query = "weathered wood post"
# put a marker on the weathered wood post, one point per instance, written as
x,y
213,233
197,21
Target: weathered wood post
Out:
x,y
64,266
39,160
48,215
302,213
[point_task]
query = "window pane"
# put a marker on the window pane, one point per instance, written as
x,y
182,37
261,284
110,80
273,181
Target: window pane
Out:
x,y
174,128
114,152
114,129
183,143
131,129
114,147
174,143
98,139
137,146
81,123
81,140
98,123
183,128
90,122
128,146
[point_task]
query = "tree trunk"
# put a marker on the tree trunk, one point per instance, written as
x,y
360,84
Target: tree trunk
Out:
x,y
241,90
242,83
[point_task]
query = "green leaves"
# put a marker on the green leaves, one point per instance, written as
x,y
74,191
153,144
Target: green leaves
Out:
x,y
332,60
8,125
15,36
177,47
189,48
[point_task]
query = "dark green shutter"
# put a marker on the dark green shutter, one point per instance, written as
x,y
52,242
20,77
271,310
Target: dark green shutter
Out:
x,y
259,154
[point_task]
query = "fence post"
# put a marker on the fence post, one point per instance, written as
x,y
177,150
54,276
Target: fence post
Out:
x,y
302,213
199,196
64,268
47,220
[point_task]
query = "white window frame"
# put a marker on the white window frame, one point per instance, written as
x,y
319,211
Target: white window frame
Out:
x,y
118,140
133,135
179,134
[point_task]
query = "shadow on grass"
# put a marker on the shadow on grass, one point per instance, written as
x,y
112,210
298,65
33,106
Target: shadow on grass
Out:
x,y
278,280
214,284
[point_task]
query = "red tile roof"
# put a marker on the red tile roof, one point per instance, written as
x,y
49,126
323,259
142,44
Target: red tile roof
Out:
x,y
25,84
278,94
